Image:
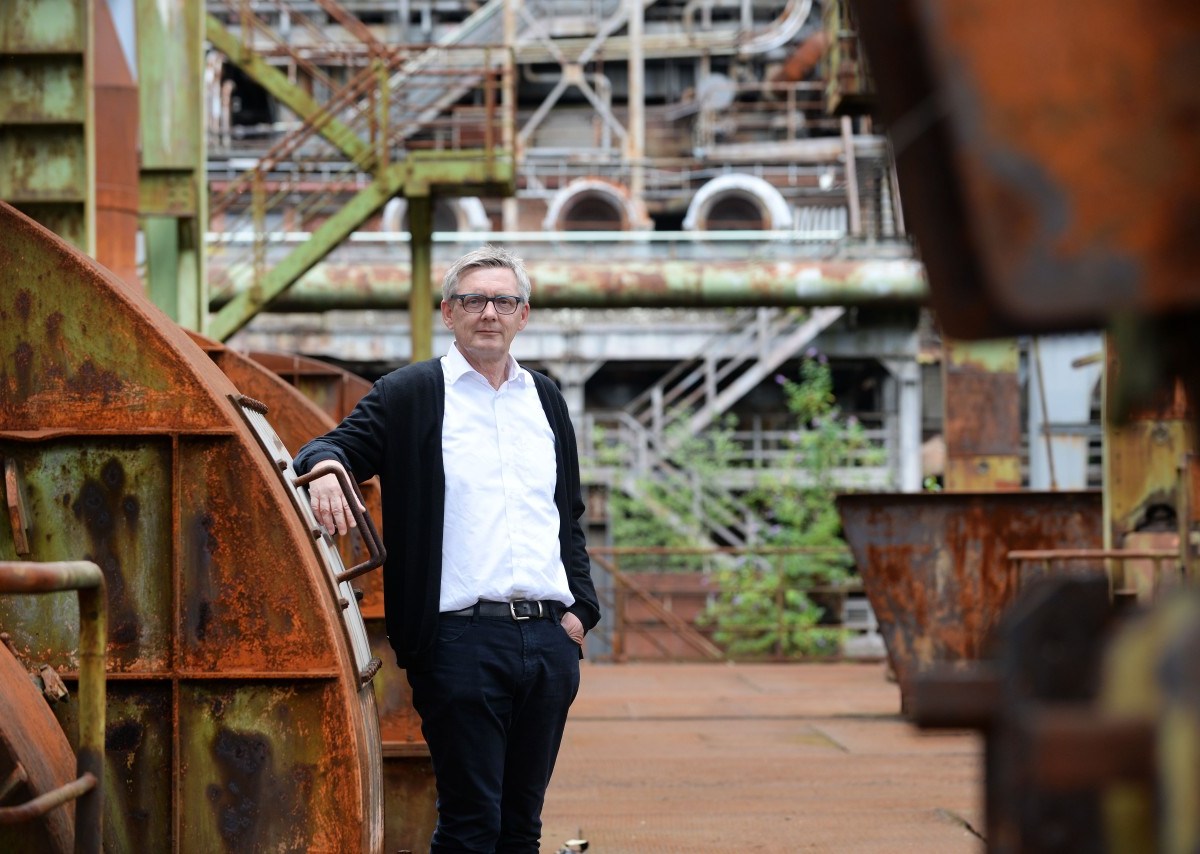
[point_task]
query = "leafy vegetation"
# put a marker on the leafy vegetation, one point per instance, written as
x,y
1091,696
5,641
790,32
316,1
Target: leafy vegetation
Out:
x,y
767,603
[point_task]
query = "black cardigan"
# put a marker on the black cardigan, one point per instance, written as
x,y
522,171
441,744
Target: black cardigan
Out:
x,y
396,432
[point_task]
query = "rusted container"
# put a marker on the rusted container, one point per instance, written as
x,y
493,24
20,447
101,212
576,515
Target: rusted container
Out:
x,y
935,564
240,711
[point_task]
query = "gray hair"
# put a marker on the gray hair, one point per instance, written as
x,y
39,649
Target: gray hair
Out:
x,y
487,257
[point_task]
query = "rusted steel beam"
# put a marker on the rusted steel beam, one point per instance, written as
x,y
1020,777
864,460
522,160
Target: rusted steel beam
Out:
x,y
1082,747
116,142
661,284
335,390
1091,554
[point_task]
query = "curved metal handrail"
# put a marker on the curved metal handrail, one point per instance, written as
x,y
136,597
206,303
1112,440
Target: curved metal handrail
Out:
x,y
376,553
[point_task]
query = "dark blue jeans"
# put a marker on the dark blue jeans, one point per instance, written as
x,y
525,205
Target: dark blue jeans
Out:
x,y
493,710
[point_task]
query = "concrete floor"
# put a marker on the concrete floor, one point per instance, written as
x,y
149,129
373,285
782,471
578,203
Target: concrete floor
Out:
x,y
758,757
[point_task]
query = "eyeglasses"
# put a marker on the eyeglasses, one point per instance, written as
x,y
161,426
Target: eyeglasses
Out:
x,y
476,303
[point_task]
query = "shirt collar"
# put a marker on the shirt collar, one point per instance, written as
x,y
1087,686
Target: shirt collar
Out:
x,y
456,366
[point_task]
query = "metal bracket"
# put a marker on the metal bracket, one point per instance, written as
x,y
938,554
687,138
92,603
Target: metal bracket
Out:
x,y
18,512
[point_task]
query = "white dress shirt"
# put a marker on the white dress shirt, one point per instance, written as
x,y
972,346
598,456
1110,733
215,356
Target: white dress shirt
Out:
x,y
500,535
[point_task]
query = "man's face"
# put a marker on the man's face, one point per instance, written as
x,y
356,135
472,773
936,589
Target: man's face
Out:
x,y
486,336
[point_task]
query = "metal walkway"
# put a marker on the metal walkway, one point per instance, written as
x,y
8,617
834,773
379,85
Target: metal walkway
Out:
x,y
725,758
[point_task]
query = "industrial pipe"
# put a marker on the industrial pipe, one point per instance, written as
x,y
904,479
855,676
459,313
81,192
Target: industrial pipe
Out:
x,y
651,284
84,576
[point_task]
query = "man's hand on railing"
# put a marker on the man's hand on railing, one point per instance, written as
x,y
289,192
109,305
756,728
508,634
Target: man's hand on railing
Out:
x,y
328,500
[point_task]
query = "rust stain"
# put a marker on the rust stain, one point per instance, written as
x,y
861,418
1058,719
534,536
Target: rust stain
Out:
x,y
92,381
53,326
23,358
198,607
99,505
23,304
244,761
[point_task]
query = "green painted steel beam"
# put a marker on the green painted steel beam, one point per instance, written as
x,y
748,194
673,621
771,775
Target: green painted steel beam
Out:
x,y
173,193
292,96
172,180
460,173
420,317
240,310
47,118
447,171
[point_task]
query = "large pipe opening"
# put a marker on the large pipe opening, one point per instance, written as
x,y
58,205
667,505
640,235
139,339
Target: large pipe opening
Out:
x,y
592,204
592,212
449,215
738,203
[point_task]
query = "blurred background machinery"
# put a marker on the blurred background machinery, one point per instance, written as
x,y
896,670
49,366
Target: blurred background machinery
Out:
x,y
1048,156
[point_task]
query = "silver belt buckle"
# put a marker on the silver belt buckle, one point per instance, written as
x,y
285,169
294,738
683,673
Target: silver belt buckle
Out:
x,y
512,609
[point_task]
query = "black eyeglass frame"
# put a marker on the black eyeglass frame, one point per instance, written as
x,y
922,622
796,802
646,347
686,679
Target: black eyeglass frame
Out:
x,y
462,298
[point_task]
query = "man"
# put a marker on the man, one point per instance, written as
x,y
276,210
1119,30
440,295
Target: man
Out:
x,y
487,585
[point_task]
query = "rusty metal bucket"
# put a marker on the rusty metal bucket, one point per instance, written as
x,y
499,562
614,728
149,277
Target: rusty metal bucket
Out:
x,y
935,564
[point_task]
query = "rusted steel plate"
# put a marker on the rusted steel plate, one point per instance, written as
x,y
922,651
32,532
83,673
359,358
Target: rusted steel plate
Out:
x,y
30,736
410,796
107,500
255,757
137,747
334,389
293,416
1045,200
296,418
982,393
244,607
399,723
133,453
92,354
935,568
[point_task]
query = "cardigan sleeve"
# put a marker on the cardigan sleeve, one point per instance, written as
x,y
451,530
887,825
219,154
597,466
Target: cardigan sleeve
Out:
x,y
358,443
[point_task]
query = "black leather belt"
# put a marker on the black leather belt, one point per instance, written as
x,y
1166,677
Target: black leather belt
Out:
x,y
519,609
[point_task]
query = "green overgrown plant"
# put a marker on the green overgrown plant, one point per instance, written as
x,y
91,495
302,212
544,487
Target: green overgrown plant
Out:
x,y
763,606
766,606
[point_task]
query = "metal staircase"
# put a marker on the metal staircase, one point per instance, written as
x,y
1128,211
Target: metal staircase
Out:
x,y
690,397
382,133
694,393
